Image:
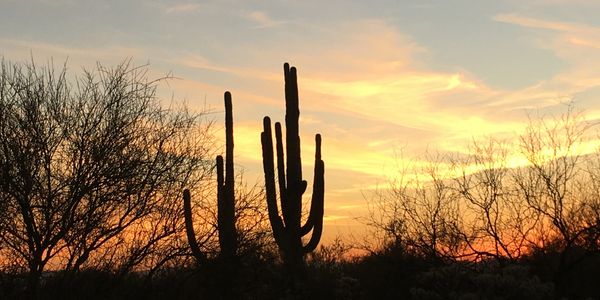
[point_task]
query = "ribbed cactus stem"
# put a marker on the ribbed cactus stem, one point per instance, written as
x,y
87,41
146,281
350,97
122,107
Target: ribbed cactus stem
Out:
x,y
189,228
287,227
270,189
225,188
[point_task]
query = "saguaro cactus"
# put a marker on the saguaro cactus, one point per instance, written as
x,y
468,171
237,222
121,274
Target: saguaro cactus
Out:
x,y
225,189
225,198
287,228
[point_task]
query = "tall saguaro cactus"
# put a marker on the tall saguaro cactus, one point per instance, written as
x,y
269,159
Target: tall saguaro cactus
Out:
x,y
225,189
225,198
287,228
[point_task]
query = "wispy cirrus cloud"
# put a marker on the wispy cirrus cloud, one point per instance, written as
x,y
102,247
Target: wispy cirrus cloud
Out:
x,y
24,49
567,27
370,72
575,43
261,19
196,61
182,8
561,2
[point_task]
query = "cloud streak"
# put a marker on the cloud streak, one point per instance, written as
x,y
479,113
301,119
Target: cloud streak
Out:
x,y
183,8
24,49
261,19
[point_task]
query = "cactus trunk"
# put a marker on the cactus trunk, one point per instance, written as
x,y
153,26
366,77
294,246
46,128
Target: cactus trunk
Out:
x,y
287,228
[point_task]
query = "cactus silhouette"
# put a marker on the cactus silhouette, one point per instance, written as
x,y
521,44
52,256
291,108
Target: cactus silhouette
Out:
x,y
287,228
225,198
189,228
225,189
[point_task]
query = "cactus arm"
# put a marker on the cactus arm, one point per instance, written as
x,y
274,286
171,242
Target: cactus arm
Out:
x,y
280,158
221,202
309,225
220,178
283,193
189,227
220,198
270,191
318,190
315,218
315,237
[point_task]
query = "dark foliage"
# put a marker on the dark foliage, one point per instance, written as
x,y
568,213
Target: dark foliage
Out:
x,y
390,274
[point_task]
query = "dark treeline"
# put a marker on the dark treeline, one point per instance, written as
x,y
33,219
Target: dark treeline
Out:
x,y
513,219
108,193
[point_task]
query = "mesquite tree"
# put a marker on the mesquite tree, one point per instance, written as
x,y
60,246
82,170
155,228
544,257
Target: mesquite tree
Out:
x,y
89,167
287,228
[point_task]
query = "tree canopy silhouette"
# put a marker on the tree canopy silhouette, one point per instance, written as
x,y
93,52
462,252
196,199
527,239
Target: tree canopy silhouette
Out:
x,y
90,163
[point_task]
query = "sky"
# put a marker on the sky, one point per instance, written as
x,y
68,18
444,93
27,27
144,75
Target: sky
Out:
x,y
376,78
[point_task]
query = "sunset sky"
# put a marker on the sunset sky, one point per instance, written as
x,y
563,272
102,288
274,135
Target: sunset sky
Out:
x,y
376,77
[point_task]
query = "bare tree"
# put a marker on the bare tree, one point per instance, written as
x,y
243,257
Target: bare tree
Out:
x,y
419,211
484,208
500,224
556,186
92,166
552,149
